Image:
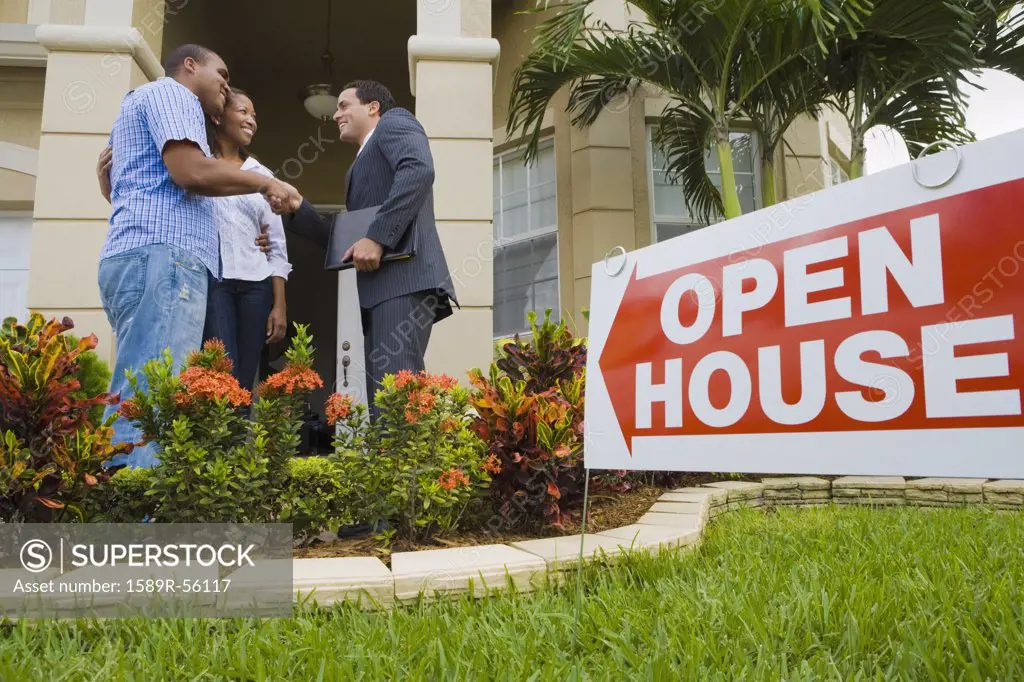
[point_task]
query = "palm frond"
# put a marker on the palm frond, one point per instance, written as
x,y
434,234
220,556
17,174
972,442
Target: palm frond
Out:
x,y
927,112
685,137
999,35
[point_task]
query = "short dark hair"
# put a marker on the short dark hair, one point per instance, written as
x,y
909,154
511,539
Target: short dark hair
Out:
x,y
371,91
176,57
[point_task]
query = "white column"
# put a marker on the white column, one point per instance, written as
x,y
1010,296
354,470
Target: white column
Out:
x,y
451,69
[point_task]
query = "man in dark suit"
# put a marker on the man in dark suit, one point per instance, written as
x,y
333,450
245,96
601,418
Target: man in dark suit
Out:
x,y
402,299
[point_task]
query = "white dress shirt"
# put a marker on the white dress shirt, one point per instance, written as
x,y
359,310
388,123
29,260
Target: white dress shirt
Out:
x,y
365,140
239,220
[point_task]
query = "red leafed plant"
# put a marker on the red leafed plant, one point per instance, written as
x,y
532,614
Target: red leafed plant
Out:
x,y
50,449
530,414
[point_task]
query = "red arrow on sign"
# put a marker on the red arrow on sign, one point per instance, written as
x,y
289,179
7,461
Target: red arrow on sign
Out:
x,y
844,329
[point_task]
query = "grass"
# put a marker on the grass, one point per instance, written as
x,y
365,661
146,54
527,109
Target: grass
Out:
x,y
799,594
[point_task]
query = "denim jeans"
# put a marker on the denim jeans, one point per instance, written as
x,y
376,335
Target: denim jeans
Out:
x,y
155,300
236,313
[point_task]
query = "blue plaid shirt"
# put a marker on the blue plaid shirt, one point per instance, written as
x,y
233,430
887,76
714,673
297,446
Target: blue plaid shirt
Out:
x,y
148,207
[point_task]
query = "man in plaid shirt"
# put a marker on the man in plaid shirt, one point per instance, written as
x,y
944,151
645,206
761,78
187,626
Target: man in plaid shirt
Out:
x,y
162,245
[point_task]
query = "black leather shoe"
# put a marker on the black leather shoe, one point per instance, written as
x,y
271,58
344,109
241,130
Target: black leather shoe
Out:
x,y
354,530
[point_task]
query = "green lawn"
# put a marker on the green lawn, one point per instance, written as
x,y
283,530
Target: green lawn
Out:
x,y
833,593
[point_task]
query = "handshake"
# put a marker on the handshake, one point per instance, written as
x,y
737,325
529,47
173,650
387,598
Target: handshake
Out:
x,y
282,197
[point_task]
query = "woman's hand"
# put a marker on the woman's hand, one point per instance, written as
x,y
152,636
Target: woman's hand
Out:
x,y
277,324
263,241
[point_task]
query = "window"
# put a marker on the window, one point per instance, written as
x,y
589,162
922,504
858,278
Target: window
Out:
x,y
839,174
525,239
671,215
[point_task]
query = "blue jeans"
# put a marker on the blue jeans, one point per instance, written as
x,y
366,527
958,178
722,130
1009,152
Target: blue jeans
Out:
x,y
155,299
236,313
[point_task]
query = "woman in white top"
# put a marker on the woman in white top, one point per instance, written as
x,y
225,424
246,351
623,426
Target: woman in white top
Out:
x,y
246,309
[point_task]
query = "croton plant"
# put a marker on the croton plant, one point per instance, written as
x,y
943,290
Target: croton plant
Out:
x,y
530,414
51,451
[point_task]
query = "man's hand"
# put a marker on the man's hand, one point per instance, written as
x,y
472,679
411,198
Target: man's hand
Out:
x,y
277,324
103,171
263,241
366,254
282,197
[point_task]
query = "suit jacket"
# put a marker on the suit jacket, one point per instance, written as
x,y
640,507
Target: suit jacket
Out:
x,y
395,171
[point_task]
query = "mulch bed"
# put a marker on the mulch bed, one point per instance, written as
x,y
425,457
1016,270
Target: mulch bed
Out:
x,y
607,510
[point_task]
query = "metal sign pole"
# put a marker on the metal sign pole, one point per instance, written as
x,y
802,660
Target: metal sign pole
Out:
x,y
579,570
612,272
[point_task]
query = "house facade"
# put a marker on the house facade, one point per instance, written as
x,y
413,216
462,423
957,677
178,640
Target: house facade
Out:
x,y
66,64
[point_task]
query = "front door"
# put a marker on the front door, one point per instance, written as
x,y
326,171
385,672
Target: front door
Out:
x,y
351,374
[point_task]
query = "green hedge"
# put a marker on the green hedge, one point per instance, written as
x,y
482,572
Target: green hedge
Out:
x,y
314,495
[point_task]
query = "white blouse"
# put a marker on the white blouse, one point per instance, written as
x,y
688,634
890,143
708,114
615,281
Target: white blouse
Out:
x,y
239,220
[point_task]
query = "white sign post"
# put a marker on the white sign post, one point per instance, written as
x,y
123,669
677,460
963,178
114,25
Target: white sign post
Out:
x,y
871,328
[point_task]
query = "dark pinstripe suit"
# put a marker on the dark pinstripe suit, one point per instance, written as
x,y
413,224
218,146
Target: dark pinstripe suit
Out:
x,y
402,299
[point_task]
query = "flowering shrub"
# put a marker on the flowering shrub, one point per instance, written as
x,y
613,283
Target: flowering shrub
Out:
x,y
281,401
217,465
530,414
50,449
419,464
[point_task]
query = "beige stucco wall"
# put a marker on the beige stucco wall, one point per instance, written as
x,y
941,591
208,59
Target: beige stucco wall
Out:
x,y
14,11
514,32
16,190
21,113
52,11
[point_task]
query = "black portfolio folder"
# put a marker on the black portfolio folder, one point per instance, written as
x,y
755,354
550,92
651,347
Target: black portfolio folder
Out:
x,y
351,226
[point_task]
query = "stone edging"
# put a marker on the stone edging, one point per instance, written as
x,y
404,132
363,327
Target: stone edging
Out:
x,y
675,521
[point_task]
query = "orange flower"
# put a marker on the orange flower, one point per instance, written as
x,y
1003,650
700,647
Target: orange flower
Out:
x,y
449,424
291,379
338,407
129,410
403,379
411,417
453,478
211,384
492,465
445,381
426,402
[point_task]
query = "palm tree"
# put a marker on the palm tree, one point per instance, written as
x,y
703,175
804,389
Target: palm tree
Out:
x,y
788,93
903,70
717,64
